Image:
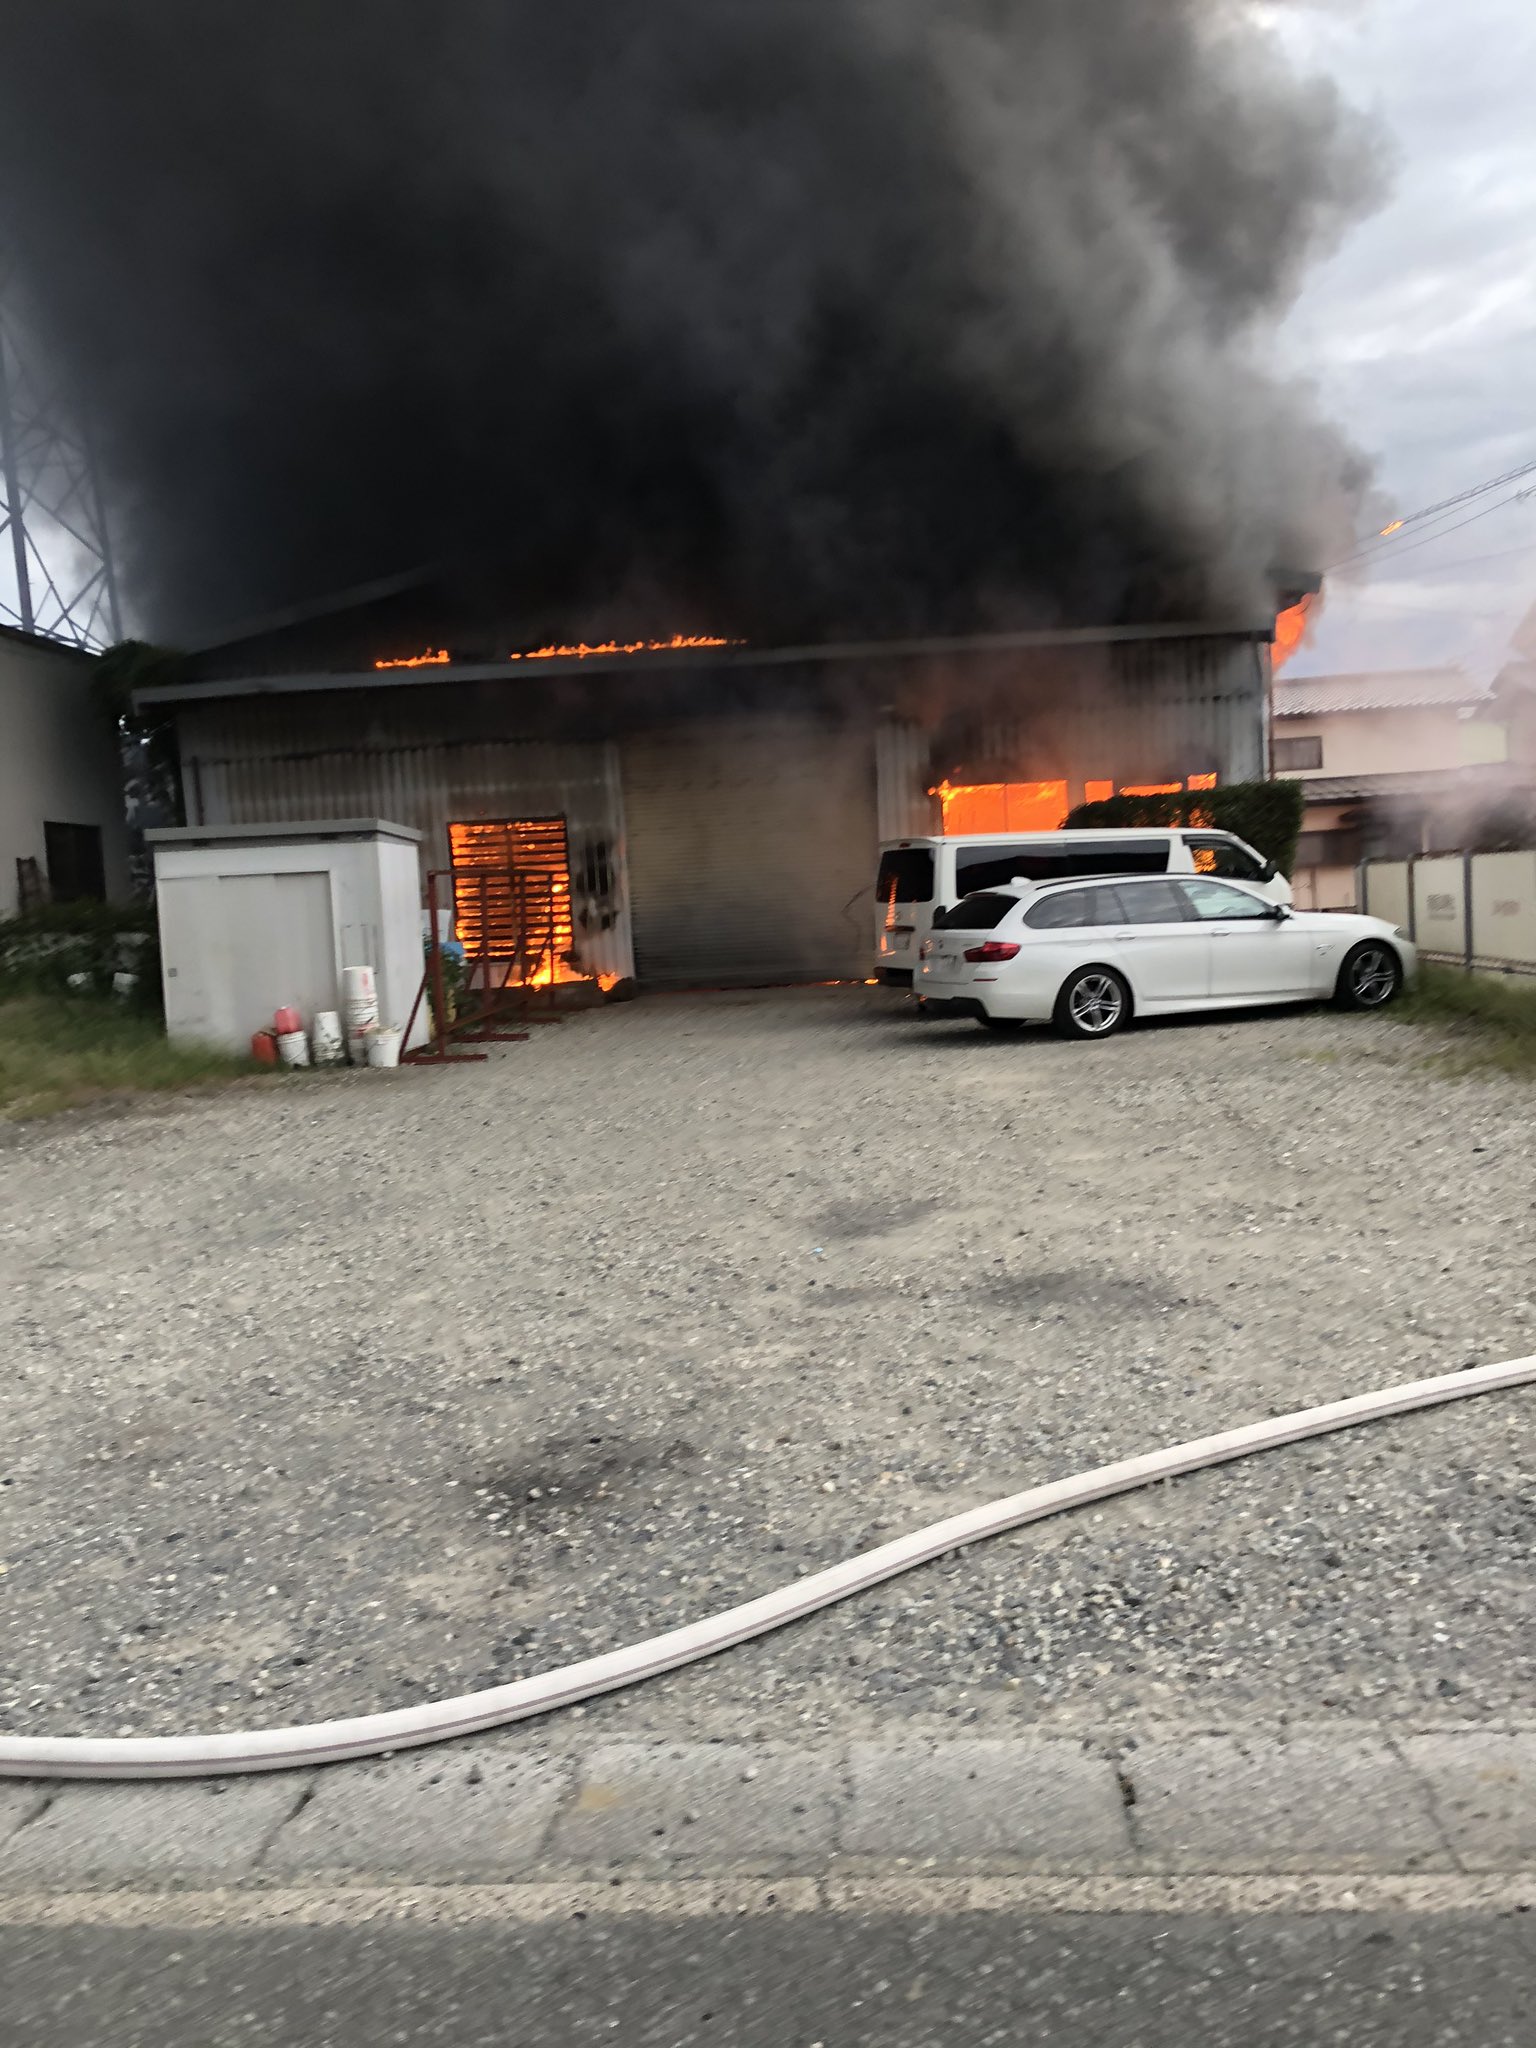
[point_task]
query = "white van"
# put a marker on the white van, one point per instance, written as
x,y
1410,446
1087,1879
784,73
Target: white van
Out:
x,y
921,876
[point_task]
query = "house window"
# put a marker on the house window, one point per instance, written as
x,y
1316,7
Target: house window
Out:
x,y
1304,752
77,871
1336,849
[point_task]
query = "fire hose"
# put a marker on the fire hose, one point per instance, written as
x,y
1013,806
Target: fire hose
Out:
x,y
274,1749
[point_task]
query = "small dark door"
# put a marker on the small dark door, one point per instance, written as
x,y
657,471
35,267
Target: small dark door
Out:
x,y
76,869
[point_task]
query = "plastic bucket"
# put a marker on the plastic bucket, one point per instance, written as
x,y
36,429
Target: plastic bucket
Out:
x,y
359,1010
326,1040
384,1045
293,1048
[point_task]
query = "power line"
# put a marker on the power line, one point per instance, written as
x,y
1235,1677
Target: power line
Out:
x,y
1396,553
1370,548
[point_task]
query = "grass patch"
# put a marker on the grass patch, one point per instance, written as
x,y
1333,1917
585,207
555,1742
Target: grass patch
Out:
x,y
56,1053
1492,1022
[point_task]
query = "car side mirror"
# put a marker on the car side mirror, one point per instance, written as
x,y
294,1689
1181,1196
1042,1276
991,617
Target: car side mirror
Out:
x,y
1268,872
1277,913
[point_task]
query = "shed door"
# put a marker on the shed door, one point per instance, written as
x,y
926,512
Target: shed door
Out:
x,y
752,850
235,947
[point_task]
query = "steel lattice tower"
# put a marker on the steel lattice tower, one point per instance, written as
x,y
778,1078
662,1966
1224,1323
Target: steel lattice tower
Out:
x,y
56,575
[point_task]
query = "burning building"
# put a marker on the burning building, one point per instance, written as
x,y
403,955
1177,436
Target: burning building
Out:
x,y
694,811
865,407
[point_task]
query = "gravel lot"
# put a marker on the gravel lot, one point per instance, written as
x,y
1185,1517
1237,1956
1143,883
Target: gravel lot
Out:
x,y
355,1389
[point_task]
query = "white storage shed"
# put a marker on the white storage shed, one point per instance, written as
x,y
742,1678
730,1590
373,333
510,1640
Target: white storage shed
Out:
x,y
255,916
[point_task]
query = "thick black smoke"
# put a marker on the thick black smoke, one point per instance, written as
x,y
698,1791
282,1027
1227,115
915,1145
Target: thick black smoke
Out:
x,y
763,316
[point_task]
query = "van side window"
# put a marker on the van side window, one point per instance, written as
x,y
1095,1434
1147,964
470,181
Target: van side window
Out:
x,y
1213,855
987,867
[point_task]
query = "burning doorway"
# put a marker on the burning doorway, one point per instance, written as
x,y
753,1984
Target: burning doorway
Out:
x,y
512,901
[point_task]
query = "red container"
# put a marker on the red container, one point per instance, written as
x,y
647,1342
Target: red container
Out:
x,y
287,1020
264,1047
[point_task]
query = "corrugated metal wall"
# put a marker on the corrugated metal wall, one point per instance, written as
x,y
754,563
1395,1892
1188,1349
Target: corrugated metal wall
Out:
x,y
267,761
1134,712
1138,711
902,778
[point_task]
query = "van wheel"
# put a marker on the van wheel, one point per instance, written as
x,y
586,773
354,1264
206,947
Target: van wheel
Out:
x,y
1004,1024
1370,977
1094,1003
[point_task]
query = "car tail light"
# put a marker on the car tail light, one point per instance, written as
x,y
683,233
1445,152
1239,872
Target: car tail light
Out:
x,y
994,949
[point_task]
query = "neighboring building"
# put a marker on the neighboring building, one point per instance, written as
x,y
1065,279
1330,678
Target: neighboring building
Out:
x,y
1514,694
1402,762
695,814
63,831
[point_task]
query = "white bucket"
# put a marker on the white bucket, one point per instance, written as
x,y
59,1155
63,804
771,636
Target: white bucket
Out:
x,y
384,1045
359,1010
293,1048
326,1040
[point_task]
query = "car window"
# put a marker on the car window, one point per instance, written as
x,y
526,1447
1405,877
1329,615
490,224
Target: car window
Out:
x,y
906,875
1214,855
984,867
1153,903
979,913
1215,899
1062,910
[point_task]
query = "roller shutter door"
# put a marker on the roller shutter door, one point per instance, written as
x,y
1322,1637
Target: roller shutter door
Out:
x,y
746,840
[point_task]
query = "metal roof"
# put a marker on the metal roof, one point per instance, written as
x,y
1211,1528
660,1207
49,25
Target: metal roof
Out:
x,y
1402,689
435,674
1478,776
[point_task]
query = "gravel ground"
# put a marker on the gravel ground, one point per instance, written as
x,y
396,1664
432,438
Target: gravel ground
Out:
x,y
355,1389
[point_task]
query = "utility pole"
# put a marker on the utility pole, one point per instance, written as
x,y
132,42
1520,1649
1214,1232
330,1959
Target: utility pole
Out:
x,y
59,580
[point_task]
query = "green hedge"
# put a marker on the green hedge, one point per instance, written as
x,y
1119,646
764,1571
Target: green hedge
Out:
x,y
1266,814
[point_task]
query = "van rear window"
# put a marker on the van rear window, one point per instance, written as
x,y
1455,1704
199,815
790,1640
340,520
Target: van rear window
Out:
x,y
984,867
981,913
906,875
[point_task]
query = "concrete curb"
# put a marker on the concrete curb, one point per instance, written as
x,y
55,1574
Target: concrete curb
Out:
x,y
496,1812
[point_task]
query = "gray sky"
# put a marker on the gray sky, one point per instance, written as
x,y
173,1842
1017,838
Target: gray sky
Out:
x,y
1422,330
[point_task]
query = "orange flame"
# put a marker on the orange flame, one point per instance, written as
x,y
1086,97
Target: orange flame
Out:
x,y
1001,806
582,651
1290,631
1396,527
429,660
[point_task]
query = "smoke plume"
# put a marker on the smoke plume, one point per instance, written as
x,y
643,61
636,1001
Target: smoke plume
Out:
x,y
764,317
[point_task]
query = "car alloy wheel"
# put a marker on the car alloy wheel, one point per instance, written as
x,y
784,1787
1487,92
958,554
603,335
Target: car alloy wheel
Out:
x,y
1095,1004
1372,976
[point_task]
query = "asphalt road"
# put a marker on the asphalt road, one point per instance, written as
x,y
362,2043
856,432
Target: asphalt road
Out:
x,y
797,1981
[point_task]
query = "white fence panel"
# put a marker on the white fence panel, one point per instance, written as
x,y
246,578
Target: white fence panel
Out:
x,y
1477,910
1504,910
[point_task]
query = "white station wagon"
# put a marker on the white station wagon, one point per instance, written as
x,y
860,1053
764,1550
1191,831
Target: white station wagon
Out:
x,y
1088,956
